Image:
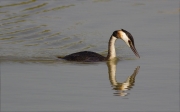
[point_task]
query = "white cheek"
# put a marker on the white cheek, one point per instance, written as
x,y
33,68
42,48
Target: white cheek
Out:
x,y
125,38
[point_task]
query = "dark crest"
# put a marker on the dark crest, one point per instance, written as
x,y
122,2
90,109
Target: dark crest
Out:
x,y
115,33
129,35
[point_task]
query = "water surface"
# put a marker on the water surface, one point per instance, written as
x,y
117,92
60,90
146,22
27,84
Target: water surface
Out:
x,y
33,33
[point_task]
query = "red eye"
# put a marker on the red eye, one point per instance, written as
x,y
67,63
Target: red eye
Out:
x,y
129,41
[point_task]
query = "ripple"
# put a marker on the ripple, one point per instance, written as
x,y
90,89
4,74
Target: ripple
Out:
x,y
17,3
35,7
56,8
28,29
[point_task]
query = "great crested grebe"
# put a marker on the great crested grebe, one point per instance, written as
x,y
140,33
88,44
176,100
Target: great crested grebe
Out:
x,y
88,56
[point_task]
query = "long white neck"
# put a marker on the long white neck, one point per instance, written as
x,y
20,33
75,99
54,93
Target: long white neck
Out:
x,y
111,48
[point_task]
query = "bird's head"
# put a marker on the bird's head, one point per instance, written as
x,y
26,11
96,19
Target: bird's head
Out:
x,y
127,38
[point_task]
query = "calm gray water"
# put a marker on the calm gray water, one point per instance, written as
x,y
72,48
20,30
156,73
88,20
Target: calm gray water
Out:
x,y
33,33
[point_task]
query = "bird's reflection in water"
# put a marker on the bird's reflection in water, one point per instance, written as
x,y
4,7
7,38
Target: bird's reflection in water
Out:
x,y
120,88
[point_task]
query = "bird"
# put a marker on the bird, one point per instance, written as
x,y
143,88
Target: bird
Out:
x,y
89,56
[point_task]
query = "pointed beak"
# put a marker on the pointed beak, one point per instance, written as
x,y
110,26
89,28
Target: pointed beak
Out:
x,y
134,50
